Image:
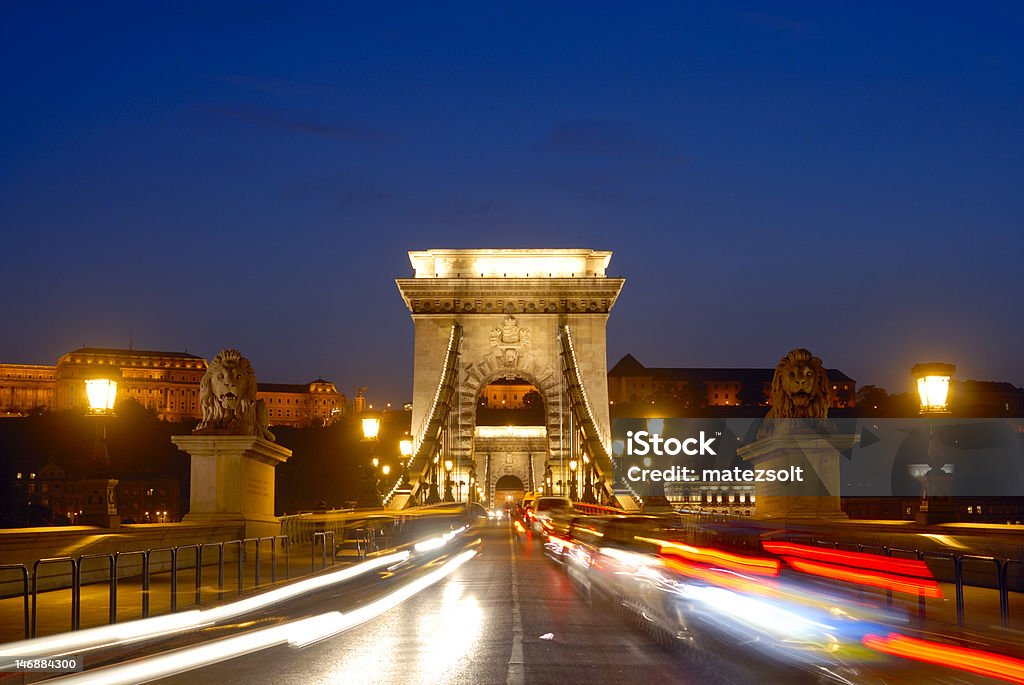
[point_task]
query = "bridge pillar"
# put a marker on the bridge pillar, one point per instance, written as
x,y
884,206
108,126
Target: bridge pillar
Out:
x,y
510,307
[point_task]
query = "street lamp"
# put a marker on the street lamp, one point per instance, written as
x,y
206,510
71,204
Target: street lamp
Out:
x,y
371,425
101,393
448,496
936,478
101,500
933,386
573,493
385,469
405,449
588,481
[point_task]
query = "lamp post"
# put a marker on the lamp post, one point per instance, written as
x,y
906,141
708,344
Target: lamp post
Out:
x,y
573,493
370,495
588,482
935,477
405,449
448,495
100,508
101,392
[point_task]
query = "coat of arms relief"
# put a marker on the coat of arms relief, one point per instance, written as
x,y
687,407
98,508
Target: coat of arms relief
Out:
x,y
510,340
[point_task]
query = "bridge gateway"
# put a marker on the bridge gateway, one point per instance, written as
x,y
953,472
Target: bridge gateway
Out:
x,y
484,315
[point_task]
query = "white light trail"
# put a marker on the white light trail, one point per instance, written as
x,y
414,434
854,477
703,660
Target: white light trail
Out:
x,y
132,631
296,634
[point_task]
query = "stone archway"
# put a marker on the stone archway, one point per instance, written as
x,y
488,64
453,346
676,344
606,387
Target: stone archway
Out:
x,y
511,305
507,490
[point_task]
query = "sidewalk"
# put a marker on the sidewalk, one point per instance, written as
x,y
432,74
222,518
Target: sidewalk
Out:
x,y
53,612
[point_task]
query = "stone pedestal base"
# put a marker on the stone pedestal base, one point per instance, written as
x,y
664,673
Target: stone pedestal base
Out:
x,y
100,505
401,499
817,497
232,480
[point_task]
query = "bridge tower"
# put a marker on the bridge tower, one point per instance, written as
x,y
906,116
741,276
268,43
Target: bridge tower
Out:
x,y
487,315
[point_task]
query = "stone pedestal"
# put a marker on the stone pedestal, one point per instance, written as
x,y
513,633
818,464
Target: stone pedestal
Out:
x,y
817,497
233,480
937,504
100,505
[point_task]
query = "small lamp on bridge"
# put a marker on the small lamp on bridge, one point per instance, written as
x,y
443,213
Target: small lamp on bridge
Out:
x,y
449,496
385,469
588,485
371,425
405,447
573,493
936,478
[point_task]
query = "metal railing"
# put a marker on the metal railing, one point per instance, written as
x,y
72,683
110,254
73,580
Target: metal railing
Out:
x,y
24,592
140,564
999,566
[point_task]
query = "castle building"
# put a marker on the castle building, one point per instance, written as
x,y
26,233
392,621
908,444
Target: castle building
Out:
x,y
630,381
165,382
315,403
26,387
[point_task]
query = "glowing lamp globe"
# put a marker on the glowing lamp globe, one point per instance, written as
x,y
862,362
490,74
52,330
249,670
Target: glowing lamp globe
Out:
x,y
448,464
933,386
371,427
101,393
572,464
385,469
405,447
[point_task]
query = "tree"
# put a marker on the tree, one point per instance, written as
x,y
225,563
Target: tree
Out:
x,y
751,394
872,399
695,394
533,400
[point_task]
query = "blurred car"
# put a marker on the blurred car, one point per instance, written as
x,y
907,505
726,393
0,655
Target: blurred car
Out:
x,y
545,508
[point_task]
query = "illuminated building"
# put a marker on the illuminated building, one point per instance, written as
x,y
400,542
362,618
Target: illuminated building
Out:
x,y
506,394
26,388
631,381
314,403
165,382
141,497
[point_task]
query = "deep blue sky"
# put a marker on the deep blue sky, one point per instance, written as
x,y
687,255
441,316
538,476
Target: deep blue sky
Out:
x,y
841,176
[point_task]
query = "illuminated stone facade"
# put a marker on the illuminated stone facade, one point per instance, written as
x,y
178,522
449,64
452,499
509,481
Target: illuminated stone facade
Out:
x,y
506,394
165,382
26,388
631,381
510,305
317,402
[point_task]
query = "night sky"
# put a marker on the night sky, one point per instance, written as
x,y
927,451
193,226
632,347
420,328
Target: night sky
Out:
x,y
841,176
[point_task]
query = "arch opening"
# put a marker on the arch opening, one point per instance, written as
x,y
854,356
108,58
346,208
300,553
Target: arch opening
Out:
x,y
508,490
510,401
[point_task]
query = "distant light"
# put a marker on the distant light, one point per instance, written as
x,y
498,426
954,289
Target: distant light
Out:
x,y
405,447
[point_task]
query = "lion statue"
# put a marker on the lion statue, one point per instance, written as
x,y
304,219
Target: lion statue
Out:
x,y
799,390
227,395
